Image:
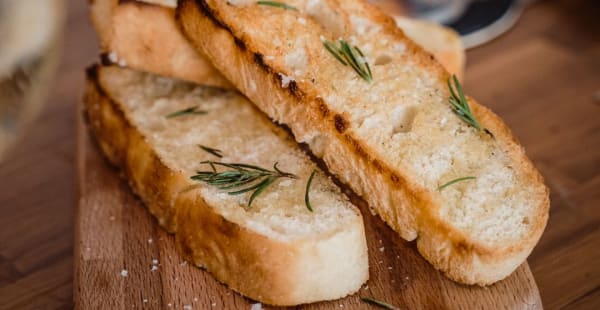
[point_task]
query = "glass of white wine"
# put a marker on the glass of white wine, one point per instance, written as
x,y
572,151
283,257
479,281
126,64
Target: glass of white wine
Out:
x,y
30,33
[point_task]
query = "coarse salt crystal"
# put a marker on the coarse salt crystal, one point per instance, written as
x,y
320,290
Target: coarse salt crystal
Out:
x,y
124,273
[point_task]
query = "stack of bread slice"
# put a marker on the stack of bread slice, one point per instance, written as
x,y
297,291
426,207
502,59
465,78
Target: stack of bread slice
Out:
x,y
373,101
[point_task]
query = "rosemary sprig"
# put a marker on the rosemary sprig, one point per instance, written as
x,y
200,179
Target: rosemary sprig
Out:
x,y
378,303
241,178
350,56
306,198
460,105
441,187
277,4
188,111
210,150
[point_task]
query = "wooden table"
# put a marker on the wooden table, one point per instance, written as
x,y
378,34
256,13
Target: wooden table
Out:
x,y
543,78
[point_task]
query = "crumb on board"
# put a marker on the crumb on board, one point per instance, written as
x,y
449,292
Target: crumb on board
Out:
x,y
124,273
257,306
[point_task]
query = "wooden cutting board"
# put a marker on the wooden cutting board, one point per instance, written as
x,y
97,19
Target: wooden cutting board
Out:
x,y
115,236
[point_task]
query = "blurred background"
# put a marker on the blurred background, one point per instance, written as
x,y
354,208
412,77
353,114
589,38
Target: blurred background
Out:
x,y
537,64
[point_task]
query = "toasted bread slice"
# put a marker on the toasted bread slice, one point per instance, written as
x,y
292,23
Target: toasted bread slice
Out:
x,y
145,36
276,251
396,140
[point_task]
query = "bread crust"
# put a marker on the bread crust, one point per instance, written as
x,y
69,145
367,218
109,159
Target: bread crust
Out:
x,y
145,36
270,271
159,47
299,106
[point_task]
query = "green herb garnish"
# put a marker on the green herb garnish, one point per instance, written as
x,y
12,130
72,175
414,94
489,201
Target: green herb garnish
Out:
x,y
277,4
441,187
188,111
460,105
352,56
241,178
212,151
378,303
306,198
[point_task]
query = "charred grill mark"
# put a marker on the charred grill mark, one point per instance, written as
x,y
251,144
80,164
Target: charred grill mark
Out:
x,y
239,42
294,90
323,107
260,61
378,166
104,59
210,13
340,123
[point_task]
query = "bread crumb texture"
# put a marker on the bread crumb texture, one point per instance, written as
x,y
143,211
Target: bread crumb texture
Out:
x,y
233,126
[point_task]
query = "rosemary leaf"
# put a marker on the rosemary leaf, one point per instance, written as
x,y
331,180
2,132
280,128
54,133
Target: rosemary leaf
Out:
x,y
378,303
350,56
334,51
306,198
441,187
210,150
277,4
261,187
240,178
460,105
188,111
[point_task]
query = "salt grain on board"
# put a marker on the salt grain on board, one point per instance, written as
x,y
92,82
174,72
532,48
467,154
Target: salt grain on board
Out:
x,y
124,273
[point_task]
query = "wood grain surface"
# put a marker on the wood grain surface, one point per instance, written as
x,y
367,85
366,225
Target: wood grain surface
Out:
x,y
117,243
543,78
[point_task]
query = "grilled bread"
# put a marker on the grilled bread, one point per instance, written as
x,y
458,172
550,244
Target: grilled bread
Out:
x,y
464,190
144,36
275,251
